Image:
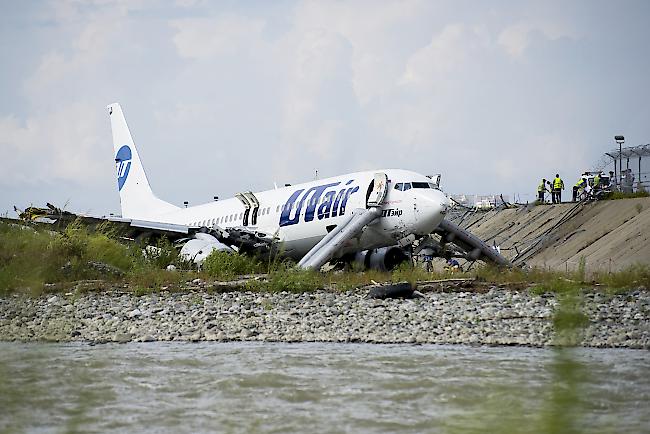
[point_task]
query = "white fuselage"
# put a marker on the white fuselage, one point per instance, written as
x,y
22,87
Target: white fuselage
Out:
x,y
300,215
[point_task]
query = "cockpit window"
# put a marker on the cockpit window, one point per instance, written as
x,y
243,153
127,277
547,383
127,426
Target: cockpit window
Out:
x,y
403,186
421,185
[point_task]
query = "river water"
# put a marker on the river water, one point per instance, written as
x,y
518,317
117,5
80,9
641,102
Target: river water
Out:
x,y
273,387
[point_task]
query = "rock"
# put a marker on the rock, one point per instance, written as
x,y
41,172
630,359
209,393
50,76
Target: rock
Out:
x,y
104,269
499,317
122,338
398,290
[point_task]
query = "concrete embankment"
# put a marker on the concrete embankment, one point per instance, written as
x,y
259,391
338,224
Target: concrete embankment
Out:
x,y
607,235
493,317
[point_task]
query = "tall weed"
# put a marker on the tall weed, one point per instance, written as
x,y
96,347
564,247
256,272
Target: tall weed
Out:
x,y
224,265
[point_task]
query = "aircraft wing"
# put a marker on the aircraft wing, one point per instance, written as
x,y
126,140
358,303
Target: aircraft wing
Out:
x,y
244,238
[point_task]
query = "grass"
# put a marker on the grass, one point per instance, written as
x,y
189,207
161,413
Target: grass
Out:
x,y
616,195
227,266
31,259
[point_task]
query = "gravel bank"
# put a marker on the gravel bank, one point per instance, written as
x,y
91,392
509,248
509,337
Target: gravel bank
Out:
x,y
496,317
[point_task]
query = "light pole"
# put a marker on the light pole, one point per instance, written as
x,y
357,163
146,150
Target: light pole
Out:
x,y
620,140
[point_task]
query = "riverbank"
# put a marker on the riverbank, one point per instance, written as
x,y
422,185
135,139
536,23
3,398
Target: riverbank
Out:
x,y
492,316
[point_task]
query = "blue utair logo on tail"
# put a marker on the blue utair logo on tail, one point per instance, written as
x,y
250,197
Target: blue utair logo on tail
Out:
x,y
123,165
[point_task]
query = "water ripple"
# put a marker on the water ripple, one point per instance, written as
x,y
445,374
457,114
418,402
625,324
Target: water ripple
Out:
x,y
264,387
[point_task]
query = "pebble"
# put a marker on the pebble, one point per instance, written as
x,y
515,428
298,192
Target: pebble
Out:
x,y
498,317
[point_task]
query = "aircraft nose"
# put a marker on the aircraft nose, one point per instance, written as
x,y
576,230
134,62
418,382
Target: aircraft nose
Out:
x,y
433,206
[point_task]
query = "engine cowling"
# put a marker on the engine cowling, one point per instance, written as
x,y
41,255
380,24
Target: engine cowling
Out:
x,y
200,247
383,259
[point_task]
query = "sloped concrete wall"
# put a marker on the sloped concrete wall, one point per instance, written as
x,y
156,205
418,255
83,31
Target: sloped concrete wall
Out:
x,y
609,235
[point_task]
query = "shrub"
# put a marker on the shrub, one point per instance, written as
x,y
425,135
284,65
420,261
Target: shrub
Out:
x,y
224,265
161,255
23,258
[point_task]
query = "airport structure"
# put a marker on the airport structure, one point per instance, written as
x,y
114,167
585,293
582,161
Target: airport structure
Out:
x,y
487,201
629,164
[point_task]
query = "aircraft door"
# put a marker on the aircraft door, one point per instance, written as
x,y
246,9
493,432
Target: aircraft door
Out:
x,y
379,190
255,206
247,207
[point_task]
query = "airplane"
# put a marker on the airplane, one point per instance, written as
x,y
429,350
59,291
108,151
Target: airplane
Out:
x,y
371,215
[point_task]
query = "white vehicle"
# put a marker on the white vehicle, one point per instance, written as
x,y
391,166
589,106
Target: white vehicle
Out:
x,y
314,222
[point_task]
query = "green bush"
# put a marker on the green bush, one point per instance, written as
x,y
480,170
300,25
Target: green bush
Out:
x,y
30,258
23,258
160,256
77,253
224,265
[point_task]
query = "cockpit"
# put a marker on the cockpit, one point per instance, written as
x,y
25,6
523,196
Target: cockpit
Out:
x,y
403,186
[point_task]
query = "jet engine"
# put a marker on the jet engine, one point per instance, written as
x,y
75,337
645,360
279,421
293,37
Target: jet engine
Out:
x,y
200,247
383,259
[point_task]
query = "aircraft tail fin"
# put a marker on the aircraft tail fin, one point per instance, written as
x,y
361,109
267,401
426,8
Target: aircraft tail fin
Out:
x,y
136,197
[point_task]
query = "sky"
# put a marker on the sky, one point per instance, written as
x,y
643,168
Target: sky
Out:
x,y
229,96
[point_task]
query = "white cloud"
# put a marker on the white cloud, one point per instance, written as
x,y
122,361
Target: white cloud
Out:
x,y
447,52
60,145
515,38
204,38
373,30
313,84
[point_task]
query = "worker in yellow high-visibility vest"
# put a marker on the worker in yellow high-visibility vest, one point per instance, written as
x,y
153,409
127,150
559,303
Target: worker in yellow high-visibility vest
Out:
x,y
597,185
541,189
558,186
579,188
